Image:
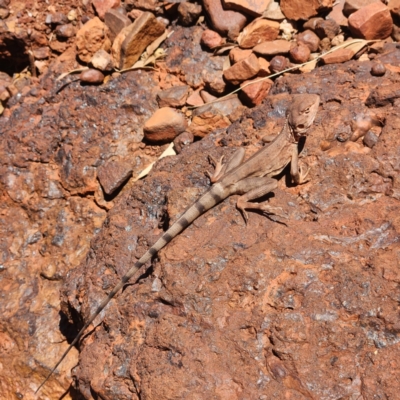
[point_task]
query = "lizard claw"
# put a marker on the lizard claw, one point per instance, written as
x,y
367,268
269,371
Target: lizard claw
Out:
x,y
303,174
218,167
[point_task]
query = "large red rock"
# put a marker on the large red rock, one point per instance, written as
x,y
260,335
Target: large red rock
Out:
x,y
242,70
371,22
102,6
164,125
260,30
133,40
92,37
225,22
251,7
300,9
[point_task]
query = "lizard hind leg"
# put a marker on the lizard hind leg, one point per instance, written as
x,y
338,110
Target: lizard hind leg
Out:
x,y
254,188
221,169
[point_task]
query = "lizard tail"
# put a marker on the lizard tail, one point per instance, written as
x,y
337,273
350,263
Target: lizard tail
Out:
x,y
209,199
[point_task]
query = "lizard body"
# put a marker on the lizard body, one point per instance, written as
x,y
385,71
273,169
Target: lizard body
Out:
x,y
251,179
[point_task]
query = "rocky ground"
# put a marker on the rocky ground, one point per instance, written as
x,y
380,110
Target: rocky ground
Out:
x,y
91,93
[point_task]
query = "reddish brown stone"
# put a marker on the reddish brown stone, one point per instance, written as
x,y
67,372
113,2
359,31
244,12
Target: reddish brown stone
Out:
x,y
272,48
300,53
338,56
337,13
351,6
183,140
211,39
113,174
102,60
254,93
242,70
173,97
237,54
378,69
189,13
65,31
264,67
278,64
260,30
195,99
310,39
133,40
225,22
371,22
300,9
91,37
311,23
91,76
251,7
102,6
164,125
116,21
327,28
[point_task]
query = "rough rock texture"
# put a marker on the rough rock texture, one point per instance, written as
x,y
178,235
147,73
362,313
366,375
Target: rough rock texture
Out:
x,y
303,310
92,37
226,22
260,30
273,47
251,7
164,125
133,40
300,9
371,22
242,70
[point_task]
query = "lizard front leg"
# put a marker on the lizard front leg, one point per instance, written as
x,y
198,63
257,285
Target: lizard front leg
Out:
x,y
254,188
296,169
221,169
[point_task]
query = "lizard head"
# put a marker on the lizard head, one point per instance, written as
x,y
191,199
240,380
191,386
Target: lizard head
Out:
x,y
301,113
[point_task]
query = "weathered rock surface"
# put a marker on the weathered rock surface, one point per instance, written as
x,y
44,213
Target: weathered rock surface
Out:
x,y
92,37
262,293
164,125
133,40
102,6
306,310
260,30
371,22
251,7
226,22
300,9
116,21
242,70
273,47
173,97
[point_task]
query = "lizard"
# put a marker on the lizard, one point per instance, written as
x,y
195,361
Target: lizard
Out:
x,y
251,179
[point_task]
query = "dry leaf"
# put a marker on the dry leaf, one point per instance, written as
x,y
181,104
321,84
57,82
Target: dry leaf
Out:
x,y
226,64
309,66
223,48
169,151
152,47
74,71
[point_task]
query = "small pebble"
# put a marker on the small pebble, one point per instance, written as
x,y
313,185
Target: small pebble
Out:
x,y
183,140
300,53
378,69
211,39
278,64
370,139
91,76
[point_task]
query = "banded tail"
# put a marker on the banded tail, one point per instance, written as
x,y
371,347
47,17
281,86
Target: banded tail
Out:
x,y
208,200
